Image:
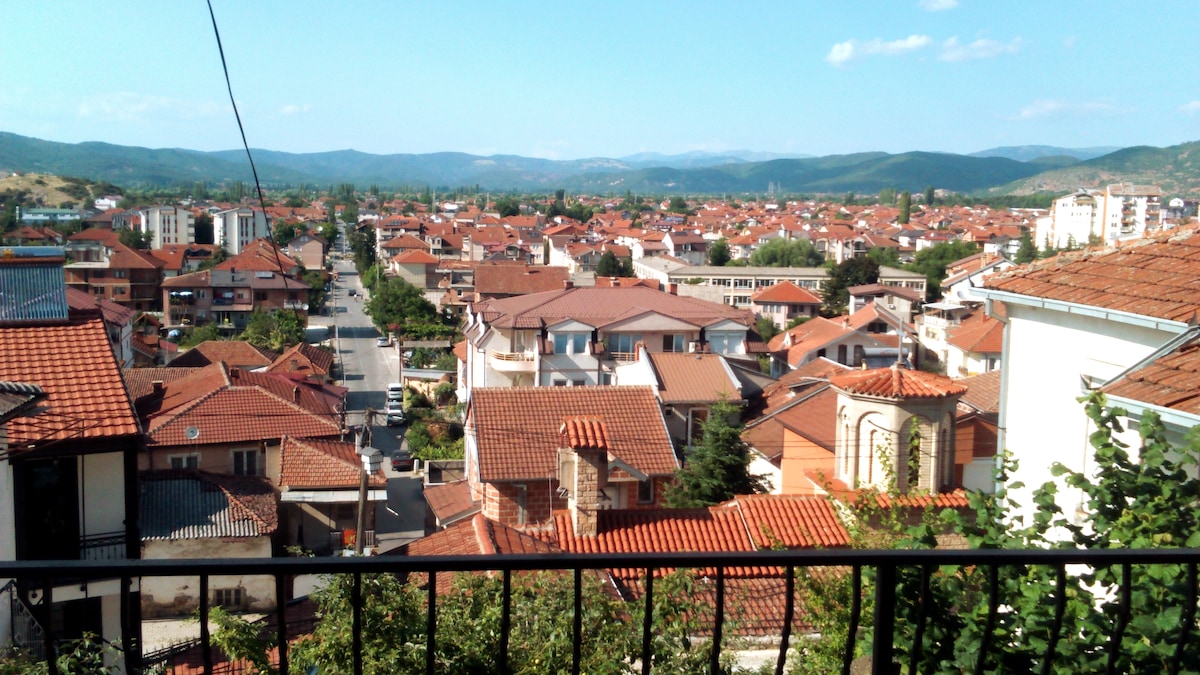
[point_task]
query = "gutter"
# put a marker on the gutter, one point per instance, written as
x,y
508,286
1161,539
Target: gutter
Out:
x,y
1116,315
1002,417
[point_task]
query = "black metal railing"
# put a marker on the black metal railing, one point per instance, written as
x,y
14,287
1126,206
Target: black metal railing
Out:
x,y
104,546
884,566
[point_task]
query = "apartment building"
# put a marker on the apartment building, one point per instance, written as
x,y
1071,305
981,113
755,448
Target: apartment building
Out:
x,y
168,225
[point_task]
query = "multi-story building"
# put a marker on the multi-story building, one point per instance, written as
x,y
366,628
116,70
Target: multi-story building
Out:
x,y
235,229
168,225
228,297
578,336
1131,210
113,271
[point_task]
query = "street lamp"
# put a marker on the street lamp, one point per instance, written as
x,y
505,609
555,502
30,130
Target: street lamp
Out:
x,y
372,460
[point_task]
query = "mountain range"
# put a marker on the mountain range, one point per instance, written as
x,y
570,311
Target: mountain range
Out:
x,y
1020,169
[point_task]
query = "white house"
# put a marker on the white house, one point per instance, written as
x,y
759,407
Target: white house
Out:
x,y
1074,323
168,225
235,229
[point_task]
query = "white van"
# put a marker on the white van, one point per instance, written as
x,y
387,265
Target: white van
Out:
x,y
395,391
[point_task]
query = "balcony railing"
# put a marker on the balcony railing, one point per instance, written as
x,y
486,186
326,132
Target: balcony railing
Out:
x,y
512,362
882,567
105,546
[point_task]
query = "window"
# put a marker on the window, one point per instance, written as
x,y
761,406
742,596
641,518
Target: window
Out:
x,y
570,343
674,343
245,462
260,296
228,597
725,343
560,383
578,383
184,461
696,419
120,274
645,492
522,504
625,342
560,343
605,378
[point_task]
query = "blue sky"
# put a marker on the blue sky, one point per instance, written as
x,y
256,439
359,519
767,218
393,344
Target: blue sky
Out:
x,y
586,79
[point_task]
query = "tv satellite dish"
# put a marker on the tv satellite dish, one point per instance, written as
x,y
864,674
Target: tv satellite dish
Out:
x,y
192,433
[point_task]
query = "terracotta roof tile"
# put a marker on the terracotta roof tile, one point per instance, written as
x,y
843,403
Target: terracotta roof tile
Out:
x,y
450,501
234,353
74,364
501,280
517,429
580,432
140,381
791,521
894,382
194,505
983,392
1156,276
1168,381
597,306
303,358
694,378
978,333
319,464
785,292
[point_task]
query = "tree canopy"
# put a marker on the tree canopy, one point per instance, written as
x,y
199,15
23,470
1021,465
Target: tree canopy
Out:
x,y
610,265
856,271
780,252
717,467
932,263
718,253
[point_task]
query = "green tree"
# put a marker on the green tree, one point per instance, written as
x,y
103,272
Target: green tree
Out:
x,y
283,231
766,328
204,228
610,265
780,252
905,207
932,263
397,302
718,253
135,239
930,193
718,466
276,330
508,206
887,196
1027,252
848,200
857,271
885,256
678,204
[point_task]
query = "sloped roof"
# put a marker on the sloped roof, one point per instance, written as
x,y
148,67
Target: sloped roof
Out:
x,y
74,365
792,521
113,312
303,358
601,306
1171,380
1158,276
983,391
140,381
320,464
234,353
518,428
450,501
415,257
16,397
518,279
196,505
693,378
785,292
978,333
897,383
259,255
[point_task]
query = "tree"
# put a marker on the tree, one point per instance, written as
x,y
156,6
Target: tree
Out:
x,y
848,200
905,207
857,271
397,302
887,196
780,252
932,263
284,231
885,256
276,330
766,328
716,468
135,239
204,228
610,265
1027,252
718,253
678,204
508,206
930,193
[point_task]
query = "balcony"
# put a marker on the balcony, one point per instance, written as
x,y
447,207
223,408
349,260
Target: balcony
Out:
x,y
106,546
883,627
512,362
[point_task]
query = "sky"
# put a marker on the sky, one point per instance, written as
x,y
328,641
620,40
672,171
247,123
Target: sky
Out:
x,y
570,80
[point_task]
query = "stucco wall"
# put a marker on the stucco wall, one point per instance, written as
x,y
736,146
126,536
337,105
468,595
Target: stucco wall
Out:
x,y
178,596
102,493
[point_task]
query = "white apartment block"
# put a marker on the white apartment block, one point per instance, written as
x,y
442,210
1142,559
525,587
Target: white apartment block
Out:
x,y
235,229
1120,212
168,225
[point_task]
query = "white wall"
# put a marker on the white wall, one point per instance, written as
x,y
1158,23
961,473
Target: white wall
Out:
x,y
1047,353
177,596
102,493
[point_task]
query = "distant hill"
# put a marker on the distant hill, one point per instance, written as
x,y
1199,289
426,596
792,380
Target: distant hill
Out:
x,y
863,173
1176,169
701,159
1028,153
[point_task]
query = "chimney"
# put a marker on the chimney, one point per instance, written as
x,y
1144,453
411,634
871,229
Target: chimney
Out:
x,y
673,289
584,453
235,373
568,284
157,387
295,394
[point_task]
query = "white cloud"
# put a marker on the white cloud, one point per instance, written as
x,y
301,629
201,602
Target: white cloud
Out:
x,y
1069,41
295,109
1191,107
953,50
843,52
937,5
125,106
1057,108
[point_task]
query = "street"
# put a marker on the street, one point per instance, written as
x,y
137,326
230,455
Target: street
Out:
x,y
366,371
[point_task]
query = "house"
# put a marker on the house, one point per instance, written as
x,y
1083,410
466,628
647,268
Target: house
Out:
x,y
578,336
227,297
318,483
233,353
976,427
114,271
900,300
686,385
303,360
1073,323
309,250
817,338
965,275
621,429
118,321
195,514
235,229
784,302
507,280
68,485
735,286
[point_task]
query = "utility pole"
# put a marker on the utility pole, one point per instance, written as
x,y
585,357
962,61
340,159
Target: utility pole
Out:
x,y
370,457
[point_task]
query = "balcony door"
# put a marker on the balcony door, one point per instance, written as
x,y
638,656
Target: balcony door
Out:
x,y
48,494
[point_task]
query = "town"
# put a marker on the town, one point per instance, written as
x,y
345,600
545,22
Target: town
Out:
x,y
370,375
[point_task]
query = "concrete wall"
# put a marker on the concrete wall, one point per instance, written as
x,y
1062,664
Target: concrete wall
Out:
x,y
102,493
178,596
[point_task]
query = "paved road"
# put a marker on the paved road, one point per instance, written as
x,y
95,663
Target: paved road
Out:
x,y
366,371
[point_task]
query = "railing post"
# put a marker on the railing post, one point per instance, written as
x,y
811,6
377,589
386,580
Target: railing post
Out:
x,y
205,643
356,622
885,619
281,613
505,620
648,624
577,623
714,656
47,628
431,624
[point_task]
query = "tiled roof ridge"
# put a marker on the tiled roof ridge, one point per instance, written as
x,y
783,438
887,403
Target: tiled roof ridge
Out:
x,y
584,432
175,414
484,535
737,504
277,397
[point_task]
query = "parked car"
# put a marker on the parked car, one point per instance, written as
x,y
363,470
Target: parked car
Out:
x,y
383,341
402,460
353,292
394,415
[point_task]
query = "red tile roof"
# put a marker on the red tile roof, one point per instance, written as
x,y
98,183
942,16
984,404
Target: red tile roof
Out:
x,y
319,464
415,257
785,292
600,307
499,280
983,392
449,501
259,256
694,378
791,521
580,432
303,358
75,366
978,333
1153,277
234,353
1168,381
897,383
140,381
517,429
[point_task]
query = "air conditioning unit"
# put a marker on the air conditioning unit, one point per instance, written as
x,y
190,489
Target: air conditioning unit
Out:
x,y
693,347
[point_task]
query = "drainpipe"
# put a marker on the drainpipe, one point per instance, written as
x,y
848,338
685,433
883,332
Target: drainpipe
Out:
x,y
1002,418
